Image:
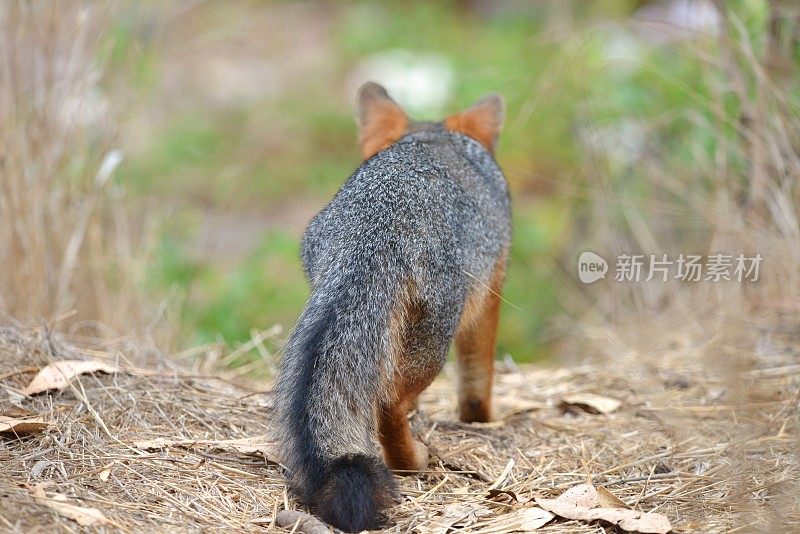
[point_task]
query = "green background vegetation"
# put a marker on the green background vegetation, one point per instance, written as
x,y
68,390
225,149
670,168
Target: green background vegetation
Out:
x,y
262,156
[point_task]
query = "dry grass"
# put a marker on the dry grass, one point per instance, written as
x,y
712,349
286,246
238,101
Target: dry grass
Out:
x,y
683,443
64,232
708,374
677,196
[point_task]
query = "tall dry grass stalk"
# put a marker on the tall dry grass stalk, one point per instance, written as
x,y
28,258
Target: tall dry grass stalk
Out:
x,y
741,196
65,246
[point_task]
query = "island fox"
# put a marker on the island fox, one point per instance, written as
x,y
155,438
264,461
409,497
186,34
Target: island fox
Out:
x,y
409,255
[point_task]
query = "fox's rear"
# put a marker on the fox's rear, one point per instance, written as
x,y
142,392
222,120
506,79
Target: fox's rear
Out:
x,y
409,255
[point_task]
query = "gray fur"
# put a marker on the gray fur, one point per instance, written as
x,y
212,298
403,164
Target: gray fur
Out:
x,y
430,212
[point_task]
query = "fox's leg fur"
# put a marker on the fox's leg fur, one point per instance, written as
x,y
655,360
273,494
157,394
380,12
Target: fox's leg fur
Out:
x,y
400,449
421,339
475,348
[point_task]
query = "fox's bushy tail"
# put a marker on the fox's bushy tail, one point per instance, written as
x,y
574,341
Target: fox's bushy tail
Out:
x,y
332,378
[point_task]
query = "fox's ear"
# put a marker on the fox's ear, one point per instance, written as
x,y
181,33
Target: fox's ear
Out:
x,y
381,121
482,121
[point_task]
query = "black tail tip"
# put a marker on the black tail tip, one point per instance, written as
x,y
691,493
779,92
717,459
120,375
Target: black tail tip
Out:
x,y
355,494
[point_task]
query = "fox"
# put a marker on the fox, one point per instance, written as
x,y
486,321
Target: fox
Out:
x,y
408,258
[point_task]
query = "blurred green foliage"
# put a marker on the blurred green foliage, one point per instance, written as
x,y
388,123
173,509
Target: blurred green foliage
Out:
x,y
551,61
228,306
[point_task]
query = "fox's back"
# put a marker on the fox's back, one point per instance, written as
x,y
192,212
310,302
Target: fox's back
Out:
x,y
408,258
434,203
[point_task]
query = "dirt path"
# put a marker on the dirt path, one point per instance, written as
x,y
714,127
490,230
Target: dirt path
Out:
x,y
678,444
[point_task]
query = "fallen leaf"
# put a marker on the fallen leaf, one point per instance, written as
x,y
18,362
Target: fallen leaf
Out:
x,y
22,425
607,499
106,472
464,515
645,522
454,515
583,502
16,411
82,515
509,407
57,375
580,496
523,520
299,521
494,493
254,445
589,402
660,468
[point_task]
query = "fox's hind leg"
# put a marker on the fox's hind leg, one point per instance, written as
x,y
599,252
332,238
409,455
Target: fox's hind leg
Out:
x,y
421,341
401,450
475,349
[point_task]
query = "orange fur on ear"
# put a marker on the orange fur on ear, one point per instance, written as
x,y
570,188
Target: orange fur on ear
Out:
x,y
482,121
381,121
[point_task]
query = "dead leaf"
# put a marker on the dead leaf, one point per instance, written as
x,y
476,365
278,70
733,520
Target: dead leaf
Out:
x,y
608,500
17,411
57,375
82,515
106,472
254,445
22,425
589,402
583,502
459,515
510,407
299,521
494,493
523,520
464,515
580,496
